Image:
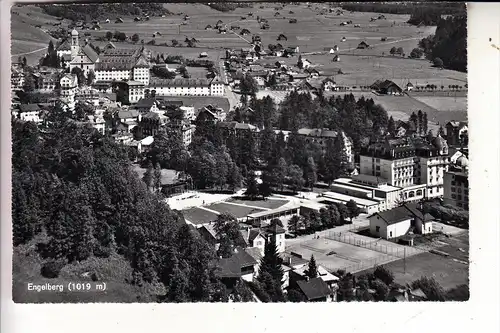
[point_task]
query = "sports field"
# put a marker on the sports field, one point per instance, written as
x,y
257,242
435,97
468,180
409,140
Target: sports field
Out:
x,y
334,255
448,271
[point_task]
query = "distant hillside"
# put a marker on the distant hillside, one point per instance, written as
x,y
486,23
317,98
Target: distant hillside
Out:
x,y
21,29
90,12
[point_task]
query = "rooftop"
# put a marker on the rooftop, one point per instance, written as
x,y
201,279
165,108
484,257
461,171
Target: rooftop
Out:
x,y
402,213
344,198
314,288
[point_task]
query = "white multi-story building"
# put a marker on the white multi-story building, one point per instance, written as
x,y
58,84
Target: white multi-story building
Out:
x,y
187,87
135,91
408,163
29,112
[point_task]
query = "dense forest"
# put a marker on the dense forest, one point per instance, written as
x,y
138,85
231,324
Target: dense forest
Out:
x,y
426,13
448,44
89,12
229,6
75,197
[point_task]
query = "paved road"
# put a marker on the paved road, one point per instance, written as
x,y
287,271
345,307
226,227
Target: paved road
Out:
x,y
30,52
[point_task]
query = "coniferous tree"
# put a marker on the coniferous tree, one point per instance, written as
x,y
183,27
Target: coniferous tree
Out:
x,y
271,262
265,186
157,177
420,122
312,270
252,188
311,173
391,127
425,123
147,178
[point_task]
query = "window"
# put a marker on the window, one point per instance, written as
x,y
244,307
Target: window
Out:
x,y
459,190
453,182
390,234
453,189
459,197
453,196
377,229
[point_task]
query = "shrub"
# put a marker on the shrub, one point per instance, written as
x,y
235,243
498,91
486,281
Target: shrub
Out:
x,y
52,268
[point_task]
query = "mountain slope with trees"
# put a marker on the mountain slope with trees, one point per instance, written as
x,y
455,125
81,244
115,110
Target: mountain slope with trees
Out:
x,y
76,198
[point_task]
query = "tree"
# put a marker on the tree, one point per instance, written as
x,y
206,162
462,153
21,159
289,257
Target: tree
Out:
x,y
296,296
294,224
252,188
430,136
281,173
441,131
345,292
296,177
248,85
420,122
157,177
90,77
425,123
109,35
381,290
438,62
175,42
29,82
391,127
353,209
241,292
80,75
270,265
265,186
147,178
311,173
400,51
312,270
135,38
228,235
235,178
178,287
393,50
384,275
430,287
183,71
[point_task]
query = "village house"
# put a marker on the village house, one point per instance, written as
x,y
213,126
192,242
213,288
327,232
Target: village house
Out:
x,y
30,112
401,221
457,133
300,274
146,105
127,120
46,80
315,290
386,87
209,114
172,182
240,265
363,45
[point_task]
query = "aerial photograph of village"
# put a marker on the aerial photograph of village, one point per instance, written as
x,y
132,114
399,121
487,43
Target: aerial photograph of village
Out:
x,y
239,152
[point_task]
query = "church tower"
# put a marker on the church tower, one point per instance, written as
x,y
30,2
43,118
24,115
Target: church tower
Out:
x,y
75,48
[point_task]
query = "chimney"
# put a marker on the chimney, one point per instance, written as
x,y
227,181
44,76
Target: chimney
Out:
x,y
307,278
289,260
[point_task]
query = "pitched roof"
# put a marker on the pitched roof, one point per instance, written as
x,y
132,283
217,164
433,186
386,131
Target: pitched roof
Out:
x,y
402,213
64,46
145,103
231,267
314,288
131,113
90,52
29,107
275,228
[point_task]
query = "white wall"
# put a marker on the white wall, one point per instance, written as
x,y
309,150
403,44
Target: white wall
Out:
x,y
397,229
110,75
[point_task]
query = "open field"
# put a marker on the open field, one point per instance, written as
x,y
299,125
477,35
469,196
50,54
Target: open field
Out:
x,y
448,271
235,210
198,215
445,103
343,256
401,107
271,203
